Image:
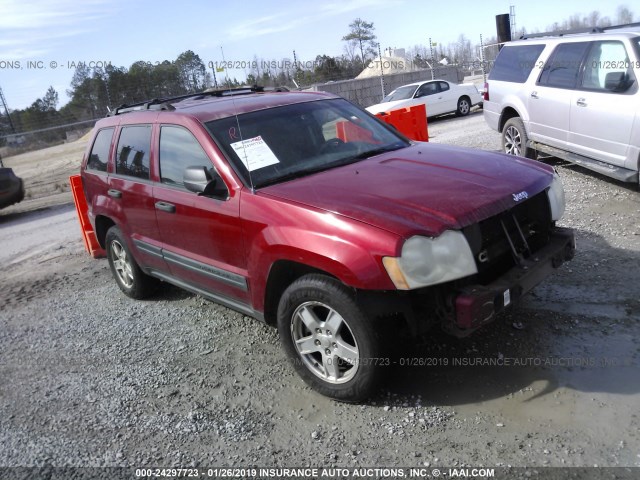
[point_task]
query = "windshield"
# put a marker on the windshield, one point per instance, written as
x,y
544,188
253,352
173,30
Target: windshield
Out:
x,y
401,93
277,144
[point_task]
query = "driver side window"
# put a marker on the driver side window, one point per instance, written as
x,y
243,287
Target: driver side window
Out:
x,y
606,61
427,89
178,150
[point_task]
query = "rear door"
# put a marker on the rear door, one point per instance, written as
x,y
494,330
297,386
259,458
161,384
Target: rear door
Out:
x,y
131,194
549,101
603,110
202,237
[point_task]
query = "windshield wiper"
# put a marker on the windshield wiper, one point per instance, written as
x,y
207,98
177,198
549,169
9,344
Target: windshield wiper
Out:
x,y
292,176
378,151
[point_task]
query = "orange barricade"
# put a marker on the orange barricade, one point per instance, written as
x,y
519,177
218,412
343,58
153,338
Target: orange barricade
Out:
x,y
350,132
411,121
88,235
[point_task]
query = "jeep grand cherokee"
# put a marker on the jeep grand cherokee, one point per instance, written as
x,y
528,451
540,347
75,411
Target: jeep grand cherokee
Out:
x,y
306,212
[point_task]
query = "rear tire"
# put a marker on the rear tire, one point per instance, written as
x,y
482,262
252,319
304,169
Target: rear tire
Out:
x,y
128,275
329,340
464,107
515,139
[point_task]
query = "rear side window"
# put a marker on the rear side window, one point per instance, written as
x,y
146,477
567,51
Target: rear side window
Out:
x,y
563,67
514,64
99,156
178,150
133,151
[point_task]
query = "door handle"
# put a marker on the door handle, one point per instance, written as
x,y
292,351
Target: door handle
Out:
x,y
534,94
166,207
581,102
114,193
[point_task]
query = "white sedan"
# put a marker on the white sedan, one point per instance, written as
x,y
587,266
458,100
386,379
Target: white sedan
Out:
x,y
438,96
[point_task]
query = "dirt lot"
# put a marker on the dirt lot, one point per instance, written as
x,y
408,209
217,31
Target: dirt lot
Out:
x,y
93,378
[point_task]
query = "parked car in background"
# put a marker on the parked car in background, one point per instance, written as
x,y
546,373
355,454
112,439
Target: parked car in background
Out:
x,y
438,96
573,96
11,188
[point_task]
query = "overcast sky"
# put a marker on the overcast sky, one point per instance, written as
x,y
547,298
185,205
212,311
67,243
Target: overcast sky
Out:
x,y
55,34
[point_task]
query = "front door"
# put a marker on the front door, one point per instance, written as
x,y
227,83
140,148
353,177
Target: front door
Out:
x,y
201,235
604,109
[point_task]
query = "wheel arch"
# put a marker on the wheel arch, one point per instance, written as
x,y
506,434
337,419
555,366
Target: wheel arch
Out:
x,y
103,224
507,114
282,274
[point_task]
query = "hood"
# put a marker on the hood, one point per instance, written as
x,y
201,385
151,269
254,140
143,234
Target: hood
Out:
x,y
395,105
422,189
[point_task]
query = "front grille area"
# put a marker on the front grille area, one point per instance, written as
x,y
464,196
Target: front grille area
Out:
x,y
499,243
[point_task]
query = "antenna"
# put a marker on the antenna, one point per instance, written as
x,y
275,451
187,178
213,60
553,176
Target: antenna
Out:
x,y
245,160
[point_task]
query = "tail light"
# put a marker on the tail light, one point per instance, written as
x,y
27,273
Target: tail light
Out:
x,y
485,94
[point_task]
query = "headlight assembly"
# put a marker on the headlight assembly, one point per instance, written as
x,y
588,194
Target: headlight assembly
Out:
x,y
556,197
428,261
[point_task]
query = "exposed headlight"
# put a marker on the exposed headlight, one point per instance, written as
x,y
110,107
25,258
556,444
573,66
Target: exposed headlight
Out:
x,y
556,197
428,261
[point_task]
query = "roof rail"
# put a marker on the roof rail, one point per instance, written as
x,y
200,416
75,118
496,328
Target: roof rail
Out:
x,y
626,25
561,33
166,103
155,104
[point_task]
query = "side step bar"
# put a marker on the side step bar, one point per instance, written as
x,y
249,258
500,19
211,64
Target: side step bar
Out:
x,y
619,173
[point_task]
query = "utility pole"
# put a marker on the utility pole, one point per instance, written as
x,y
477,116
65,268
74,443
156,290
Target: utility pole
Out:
x,y
296,69
482,62
512,17
384,94
6,110
432,59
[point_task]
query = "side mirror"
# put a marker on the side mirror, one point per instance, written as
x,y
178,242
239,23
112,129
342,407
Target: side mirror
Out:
x,y
204,181
617,82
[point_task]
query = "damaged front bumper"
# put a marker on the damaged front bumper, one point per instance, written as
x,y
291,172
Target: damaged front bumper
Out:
x,y
476,305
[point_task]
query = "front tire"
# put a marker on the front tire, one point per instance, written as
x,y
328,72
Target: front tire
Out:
x,y
515,139
464,107
128,275
328,339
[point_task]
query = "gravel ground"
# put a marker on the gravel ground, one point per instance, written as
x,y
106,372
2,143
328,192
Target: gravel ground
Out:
x,y
91,378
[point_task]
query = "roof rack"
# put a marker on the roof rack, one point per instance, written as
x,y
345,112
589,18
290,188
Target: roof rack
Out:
x,y
167,103
562,33
626,25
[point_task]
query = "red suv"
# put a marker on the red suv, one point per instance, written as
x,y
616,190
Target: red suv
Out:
x,y
306,212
